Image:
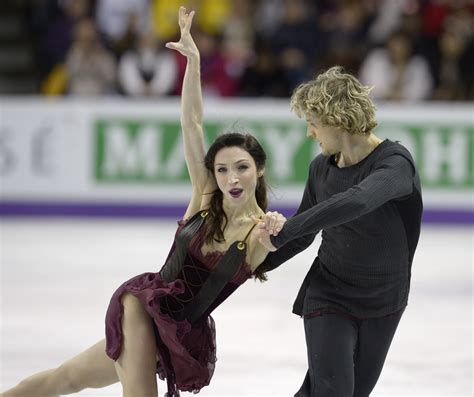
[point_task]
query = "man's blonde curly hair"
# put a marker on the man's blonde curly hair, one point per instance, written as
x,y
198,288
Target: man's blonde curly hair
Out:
x,y
336,99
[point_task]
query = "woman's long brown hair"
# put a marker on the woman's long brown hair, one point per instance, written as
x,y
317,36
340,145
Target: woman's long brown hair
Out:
x,y
216,221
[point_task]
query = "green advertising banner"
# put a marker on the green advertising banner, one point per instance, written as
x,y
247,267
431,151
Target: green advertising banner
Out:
x,y
135,150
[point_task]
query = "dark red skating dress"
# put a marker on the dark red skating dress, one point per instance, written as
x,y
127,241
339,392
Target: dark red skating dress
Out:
x,y
186,350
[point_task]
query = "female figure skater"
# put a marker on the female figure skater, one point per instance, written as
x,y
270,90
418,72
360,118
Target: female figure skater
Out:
x,y
160,322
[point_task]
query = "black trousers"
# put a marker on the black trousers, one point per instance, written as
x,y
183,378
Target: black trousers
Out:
x,y
345,354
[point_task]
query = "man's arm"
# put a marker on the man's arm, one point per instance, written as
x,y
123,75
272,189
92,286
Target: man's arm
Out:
x,y
391,180
293,247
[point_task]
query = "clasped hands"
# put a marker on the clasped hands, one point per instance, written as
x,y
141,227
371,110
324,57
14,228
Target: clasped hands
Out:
x,y
268,225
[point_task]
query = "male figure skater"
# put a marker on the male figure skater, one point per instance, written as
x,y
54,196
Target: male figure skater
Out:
x,y
365,196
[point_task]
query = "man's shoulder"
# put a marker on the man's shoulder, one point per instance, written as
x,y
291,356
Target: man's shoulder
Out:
x,y
392,149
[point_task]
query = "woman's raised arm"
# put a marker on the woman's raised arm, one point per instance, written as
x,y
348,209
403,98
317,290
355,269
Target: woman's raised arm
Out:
x,y
191,113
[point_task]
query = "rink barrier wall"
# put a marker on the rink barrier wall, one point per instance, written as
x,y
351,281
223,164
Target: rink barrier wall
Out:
x,y
134,210
123,158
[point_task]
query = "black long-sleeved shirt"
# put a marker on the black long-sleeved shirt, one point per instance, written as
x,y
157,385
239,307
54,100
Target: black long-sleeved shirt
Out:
x,y
370,216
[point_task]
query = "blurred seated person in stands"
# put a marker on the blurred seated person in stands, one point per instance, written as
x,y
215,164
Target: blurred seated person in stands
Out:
x,y
216,76
149,69
264,77
343,36
238,36
162,18
121,21
452,69
296,41
90,68
396,73
59,33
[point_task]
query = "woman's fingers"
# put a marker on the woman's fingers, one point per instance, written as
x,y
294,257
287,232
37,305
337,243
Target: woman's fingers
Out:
x,y
181,12
185,20
185,45
189,20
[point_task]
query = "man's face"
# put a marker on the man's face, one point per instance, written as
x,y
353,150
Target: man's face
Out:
x,y
329,137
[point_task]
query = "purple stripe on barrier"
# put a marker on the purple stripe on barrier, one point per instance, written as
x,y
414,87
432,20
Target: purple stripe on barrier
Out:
x,y
459,217
79,209
174,211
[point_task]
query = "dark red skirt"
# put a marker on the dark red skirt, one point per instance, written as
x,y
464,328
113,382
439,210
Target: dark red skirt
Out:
x,y
186,354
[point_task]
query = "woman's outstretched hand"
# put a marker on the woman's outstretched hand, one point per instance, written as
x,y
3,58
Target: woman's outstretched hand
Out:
x,y
185,45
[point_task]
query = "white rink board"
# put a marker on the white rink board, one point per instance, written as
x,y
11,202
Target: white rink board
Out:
x,y
58,275
55,153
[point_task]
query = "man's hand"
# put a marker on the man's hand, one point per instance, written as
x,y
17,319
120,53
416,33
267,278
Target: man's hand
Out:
x,y
268,225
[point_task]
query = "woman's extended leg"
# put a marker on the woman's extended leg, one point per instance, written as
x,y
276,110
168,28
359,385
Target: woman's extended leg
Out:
x,y
136,366
91,368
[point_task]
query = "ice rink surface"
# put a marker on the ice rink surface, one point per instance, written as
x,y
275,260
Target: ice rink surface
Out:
x,y
57,276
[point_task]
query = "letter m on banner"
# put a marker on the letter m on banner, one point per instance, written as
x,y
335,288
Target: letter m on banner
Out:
x,y
126,151
138,151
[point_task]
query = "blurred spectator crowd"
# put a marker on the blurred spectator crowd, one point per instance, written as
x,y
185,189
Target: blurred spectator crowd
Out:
x,y
409,50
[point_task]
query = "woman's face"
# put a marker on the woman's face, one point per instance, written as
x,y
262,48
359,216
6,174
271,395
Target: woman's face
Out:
x,y
236,175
